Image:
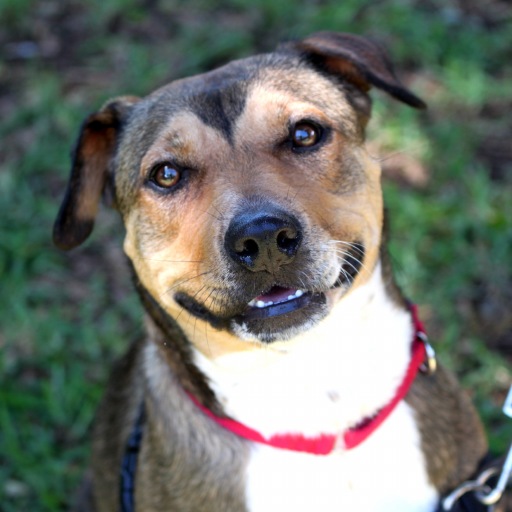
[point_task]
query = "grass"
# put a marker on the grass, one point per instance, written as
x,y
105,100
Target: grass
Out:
x,y
64,317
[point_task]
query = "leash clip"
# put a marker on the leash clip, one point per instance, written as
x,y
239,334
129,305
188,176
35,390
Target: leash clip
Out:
x,y
477,486
506,471
483,492
507,406
429,366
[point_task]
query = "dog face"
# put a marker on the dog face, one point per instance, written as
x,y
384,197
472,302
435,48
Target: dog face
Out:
x,y
249,200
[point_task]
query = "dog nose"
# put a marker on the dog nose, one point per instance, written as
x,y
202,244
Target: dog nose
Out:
x,y
263,240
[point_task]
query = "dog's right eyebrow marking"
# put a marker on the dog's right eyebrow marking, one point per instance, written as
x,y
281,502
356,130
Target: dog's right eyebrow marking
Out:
x,y
220,108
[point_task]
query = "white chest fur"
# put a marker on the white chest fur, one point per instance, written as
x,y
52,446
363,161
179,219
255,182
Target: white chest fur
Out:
x,y
385,474
325,381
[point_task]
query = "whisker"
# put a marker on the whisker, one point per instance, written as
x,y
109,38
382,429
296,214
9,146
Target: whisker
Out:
x,y
208,296
172,261
221,215
355,246
179,283
347,261
206,324
206,212
347,276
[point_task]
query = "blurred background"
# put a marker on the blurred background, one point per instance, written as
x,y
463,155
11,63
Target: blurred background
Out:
x,y
448,186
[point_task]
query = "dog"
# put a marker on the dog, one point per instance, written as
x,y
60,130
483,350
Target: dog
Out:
x,y
282,369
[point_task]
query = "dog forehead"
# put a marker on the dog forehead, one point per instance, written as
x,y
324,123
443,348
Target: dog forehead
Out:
x,y
234,102
219,97
280,97
268,106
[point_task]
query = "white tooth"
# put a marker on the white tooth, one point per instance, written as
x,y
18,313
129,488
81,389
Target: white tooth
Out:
x,y
260,304
291,297
269,303
299,293
252,303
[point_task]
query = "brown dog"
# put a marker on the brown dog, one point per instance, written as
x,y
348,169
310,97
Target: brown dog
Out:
x,y
279,368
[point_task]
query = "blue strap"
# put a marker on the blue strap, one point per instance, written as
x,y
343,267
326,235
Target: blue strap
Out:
x,y
129,464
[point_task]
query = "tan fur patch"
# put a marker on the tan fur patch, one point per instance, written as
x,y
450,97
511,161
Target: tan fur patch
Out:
x,y
165,232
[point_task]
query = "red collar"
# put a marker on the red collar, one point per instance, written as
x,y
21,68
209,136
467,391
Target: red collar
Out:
x,y
324,444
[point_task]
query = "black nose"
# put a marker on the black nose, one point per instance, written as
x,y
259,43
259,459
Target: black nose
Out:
x,y
263,240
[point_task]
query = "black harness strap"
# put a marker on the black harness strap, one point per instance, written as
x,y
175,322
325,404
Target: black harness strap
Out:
x,y
129,464
467,503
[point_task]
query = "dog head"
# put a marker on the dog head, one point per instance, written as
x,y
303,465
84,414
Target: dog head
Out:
x,y
248,197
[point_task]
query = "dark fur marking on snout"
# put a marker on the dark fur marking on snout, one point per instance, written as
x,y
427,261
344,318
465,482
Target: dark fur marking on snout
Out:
x,y
195,308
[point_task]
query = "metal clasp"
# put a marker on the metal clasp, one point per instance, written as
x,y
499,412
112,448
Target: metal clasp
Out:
x,y
507,406
492,496
483,492
479,486
430,364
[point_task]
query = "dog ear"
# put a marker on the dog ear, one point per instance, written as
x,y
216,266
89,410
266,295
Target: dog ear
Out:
x,y
359,61
91,159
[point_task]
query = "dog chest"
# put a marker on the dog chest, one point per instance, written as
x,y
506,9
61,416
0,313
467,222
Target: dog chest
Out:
x,y
344,372
385,474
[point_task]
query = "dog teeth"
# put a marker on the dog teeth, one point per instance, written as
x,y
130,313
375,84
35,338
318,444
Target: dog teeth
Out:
x,y
259,303
296,295
264,304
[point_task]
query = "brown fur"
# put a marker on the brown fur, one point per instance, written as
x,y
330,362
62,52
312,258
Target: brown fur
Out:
x,y
452,435
228,132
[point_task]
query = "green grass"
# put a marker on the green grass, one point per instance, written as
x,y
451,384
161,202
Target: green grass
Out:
x,y
64,317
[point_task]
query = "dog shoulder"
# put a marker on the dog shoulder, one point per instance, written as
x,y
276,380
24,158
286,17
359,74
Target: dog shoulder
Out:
x,y
452,435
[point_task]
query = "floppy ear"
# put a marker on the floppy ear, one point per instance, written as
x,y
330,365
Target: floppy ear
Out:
x,y
91,159
358,60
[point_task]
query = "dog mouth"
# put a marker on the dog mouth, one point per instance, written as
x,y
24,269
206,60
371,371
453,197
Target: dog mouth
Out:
x,y
277,301
279,314
280,311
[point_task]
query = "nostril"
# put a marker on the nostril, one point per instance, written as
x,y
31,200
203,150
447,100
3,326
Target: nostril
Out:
x,y
288,240
247,247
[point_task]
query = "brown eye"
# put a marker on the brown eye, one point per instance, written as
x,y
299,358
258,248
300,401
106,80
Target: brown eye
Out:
x,y
305,135
165,176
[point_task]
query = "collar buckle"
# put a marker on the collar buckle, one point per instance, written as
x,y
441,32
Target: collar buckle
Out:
x,y
429,365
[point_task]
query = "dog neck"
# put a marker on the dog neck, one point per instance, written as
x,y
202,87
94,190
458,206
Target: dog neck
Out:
x,y
325,444
324,381
175,349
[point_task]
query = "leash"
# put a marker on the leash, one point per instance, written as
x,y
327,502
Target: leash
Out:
x,y
129,463
486,490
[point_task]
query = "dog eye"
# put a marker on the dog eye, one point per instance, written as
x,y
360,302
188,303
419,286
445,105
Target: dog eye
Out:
x,y
305,135
165,176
